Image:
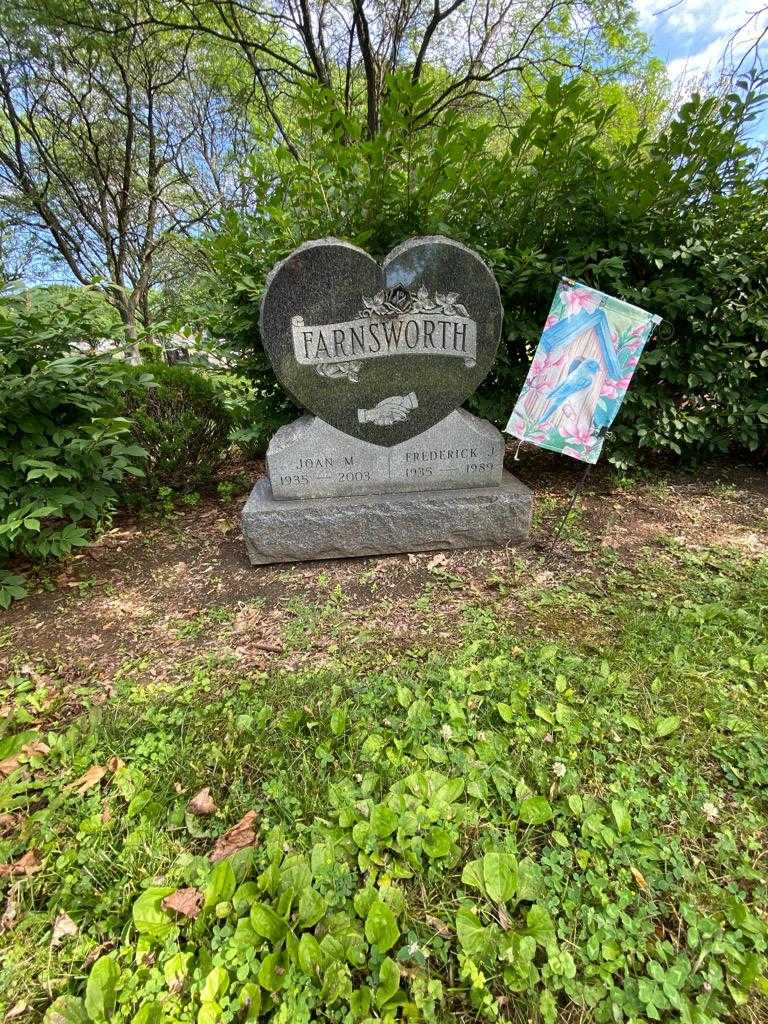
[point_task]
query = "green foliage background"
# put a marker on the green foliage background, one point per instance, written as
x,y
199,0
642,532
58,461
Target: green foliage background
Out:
x,y
673,221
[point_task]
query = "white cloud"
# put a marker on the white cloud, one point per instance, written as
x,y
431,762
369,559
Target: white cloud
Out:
x,y
693,17
696,34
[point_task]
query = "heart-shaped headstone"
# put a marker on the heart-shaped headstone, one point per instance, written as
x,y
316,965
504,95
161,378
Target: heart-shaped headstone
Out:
x,y
381,352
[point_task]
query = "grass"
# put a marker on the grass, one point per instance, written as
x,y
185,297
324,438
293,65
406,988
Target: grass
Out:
x,y
561,821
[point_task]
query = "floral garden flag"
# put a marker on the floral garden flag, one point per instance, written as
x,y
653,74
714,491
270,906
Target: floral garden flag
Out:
x,y
580,373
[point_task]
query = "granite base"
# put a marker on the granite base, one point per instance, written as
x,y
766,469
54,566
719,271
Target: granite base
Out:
x,y
290,530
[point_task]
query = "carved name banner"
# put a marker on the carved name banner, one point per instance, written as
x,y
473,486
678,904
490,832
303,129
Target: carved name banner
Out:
x,y
366,338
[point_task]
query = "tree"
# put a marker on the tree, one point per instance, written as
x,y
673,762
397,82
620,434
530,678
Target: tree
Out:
x,y
463,52
110,147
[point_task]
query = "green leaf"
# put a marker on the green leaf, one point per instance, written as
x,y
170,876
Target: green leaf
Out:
x,y
507,712
245,895
310,955
209,1013
101,988
666,726
473,875
295,874
632,722
437,843
215,985
148,916
176,969
548,1007
621,817
221,884
389,981
383,821
149,1013
449,792
245,935
371,748
272,973
312,907
530,880
360,1002
250,1001
500,876
473,937
338,722
539,924
536,810
575,804
336,983
381,927
267,923
66,1010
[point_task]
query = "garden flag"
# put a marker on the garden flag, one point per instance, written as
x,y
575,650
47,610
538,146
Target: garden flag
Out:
x,y
588,351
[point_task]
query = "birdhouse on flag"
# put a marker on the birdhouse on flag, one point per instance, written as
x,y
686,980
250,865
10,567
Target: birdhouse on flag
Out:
x,y
588,352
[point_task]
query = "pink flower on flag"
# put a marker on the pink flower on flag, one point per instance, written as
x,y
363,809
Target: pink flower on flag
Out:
x,y
576,431
633,361
550,322
573,452
516,424
639,329
578,299
614,388
635,344
541,366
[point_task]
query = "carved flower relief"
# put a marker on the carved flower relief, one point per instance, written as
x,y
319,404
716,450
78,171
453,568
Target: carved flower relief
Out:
x,y
449,305
399,301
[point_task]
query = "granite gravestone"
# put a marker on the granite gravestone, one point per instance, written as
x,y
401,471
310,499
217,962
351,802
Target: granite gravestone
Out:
x,y
382,356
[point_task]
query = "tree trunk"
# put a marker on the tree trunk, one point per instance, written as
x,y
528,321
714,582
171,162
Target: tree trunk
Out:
x,y
127,310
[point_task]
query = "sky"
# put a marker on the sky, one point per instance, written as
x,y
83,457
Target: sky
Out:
x,y
692,35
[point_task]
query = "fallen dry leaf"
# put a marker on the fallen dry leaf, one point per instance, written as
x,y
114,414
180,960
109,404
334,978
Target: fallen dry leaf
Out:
x,y
8,765
504,919
711,812
239,837
639,877
92,778
17,1010
26,865
115,763
202,803
106,813
187,902
7,824
37,747
439,559
439,926
11,909
62,927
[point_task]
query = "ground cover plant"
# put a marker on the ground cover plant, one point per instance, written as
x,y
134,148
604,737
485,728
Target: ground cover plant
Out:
x,y
554,816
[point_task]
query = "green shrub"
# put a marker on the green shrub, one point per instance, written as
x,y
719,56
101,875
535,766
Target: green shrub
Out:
x,y
672,220
63,451
64,445
183,424
38,324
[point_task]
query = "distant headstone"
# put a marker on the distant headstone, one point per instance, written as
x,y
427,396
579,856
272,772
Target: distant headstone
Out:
x,y
383,356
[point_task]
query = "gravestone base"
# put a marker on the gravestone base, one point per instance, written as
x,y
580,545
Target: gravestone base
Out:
x,y
287,530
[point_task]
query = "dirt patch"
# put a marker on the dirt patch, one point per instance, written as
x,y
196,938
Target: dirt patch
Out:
x,y
169,591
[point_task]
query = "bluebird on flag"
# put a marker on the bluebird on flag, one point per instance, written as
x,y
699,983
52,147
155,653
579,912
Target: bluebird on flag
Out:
x,y
588,352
